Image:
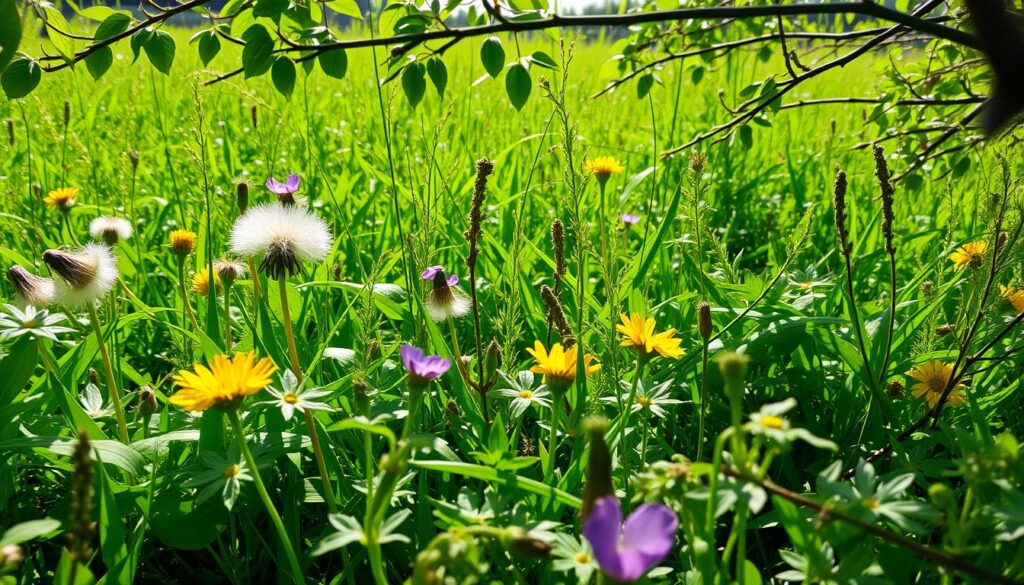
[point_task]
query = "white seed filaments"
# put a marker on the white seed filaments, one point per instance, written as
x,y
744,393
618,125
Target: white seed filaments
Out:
x,y
86,275
443,301
33,290
286,236
110,229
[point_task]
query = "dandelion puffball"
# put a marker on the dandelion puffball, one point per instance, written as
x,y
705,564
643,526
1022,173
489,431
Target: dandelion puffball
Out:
x,y
31,289
110,229
444,302
286,236
86,275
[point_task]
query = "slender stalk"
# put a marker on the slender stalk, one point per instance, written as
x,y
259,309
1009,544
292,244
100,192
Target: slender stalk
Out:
x,y
314,437
227,316
627,414
275,518
703,399
108,368
184,294
556,404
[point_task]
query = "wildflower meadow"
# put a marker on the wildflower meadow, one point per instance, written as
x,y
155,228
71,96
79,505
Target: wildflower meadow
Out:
x,y
333,292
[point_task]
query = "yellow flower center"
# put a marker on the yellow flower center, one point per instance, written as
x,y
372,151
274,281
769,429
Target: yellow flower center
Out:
x,y
526,394
871,503
643,401
290,398
773,422
479,519
582,558
231,471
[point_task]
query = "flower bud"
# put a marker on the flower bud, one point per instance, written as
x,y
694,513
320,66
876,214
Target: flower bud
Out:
x,y
519,541
599,465
229,271
67,112
361,395
147,401
254,115
944,330
894,389
733,367
183,242
927,287
10,131
133,158
942,497
492,362
31,289
94,378
704,325
242,196
11,555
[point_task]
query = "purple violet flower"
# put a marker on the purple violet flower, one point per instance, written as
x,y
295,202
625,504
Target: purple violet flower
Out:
x,y
288,187
627,551
429,273
422,368
629,218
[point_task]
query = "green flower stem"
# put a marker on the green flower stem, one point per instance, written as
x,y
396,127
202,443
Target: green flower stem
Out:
x,y
115,394
556,403
255,279
275,518
314,437
627,414
703,399
457,354
227,316
734,390
184,294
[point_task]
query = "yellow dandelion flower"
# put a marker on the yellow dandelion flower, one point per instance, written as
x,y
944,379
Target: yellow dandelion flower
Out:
x,y
62,198
559,365
603,166
969,254
932,378
1014,296
639,333
201,281
183,242
225,383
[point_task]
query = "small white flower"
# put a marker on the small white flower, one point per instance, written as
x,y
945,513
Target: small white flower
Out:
x,y
654,400
342,355
769,422
40,323
294,397
520,389
85,275
92,403
286,236
110,229
223,475
31,289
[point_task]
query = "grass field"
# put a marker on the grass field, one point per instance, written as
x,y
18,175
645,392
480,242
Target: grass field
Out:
x,y
750,230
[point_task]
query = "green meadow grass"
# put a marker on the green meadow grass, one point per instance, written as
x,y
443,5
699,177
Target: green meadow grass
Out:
x,y
194,143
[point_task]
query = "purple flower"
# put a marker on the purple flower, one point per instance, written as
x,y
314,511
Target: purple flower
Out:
x,y
629,218
429,274
626,552
422,368
287,188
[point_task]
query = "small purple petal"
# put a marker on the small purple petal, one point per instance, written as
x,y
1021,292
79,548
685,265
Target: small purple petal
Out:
x,y
287,188
293,183
629,551
453,280
629,218
602,529
422,368
410,356
429,273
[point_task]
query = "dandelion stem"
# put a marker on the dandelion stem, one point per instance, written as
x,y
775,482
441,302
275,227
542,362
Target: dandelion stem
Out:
x,y
314,437
556,403
703,399
275,518
184,294
115,395
227,316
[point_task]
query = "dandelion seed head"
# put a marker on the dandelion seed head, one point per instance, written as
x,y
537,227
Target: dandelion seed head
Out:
x,y
33,290
86,275
286,236
110,229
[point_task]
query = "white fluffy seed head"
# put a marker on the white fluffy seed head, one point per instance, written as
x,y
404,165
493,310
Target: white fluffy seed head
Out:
x,y
285,235
86,275
31,289
441,306
110,229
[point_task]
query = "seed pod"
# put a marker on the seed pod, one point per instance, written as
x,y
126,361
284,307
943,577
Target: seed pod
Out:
x,y
839,203
361,394
599,465
556,315
558,246
94,378
242,196
519,541
492,362
254,114
697,162
927,287
885,183
67,113
10,132
704,325
80,520
133,157
894,389
943,330
147,401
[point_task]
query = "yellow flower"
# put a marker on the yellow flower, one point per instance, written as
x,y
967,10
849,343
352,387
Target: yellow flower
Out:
x,y
639,333
559,366
603,166
932,378
1014,296
225,383
969,254
62,198
183,242
201,281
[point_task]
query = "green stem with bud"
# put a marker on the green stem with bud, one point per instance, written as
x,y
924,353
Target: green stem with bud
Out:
x,y
275,517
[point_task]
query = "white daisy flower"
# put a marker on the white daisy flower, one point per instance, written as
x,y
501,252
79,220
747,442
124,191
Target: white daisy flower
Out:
x,y
286,236
85,275
31,289
769,422
520,389
110,229
15,323
294,396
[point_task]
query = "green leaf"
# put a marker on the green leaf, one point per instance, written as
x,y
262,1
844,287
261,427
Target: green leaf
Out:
x,y
269,8
258,52
17,367
518,85
283,76
505,478
346,7
160,49
21,76
57,29
10,31
181,523
209,46
111,452
115,24
414,83
542,59
100,13
26,531
334,63
643,85
492,54
139,39
438,73
111,522
747,136
99,62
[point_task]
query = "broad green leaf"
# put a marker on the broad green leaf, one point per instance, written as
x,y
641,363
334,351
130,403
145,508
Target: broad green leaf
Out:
x,y
346,7
438,74
283,76
518,85
17,367
111,452
10,31
26,531
57,29
492,54
414,83
542,59
257,56
101,13
99,62
334,63
643,85
209,46
509,480
21,76
160,49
